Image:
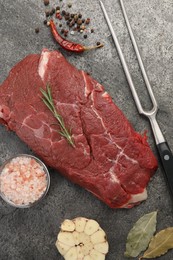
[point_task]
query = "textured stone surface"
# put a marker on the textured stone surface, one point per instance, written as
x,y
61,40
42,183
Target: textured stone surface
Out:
x,y
30,234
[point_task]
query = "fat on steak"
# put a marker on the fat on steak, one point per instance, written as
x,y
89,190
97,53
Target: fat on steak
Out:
x,y
110,159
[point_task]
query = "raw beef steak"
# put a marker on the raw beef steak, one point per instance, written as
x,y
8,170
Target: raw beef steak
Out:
x,y
110,159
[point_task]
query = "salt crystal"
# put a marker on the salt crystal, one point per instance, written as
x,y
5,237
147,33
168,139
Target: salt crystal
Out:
x,y
23,180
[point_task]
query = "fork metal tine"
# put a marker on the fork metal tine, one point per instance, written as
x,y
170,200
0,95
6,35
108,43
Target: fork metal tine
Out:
x,y
141,65
126,70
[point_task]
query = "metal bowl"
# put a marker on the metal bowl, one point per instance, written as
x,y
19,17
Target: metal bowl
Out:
x,y
3,196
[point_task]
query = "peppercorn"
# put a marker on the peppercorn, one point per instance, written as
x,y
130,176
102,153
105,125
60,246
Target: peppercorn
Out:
x,y
71,24
62,30
87,21
53,10
66,17
60,25
72,15
37,30
82,27
45,22
83,20
67,22
47,13
46,2
75,17
85,36
98,43
69,5
79,22
58,8
65,33
80,16
92,30
63,12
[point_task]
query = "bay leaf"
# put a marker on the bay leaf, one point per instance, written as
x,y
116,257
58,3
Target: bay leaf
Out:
x,y
160,244
141,234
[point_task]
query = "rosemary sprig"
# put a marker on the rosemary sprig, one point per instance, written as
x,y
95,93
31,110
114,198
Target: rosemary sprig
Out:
x,y
48,101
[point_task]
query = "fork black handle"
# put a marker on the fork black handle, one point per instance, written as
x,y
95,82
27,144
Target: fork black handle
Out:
x,y
166,157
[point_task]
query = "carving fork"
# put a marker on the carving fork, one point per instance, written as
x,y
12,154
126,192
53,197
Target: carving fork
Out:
x,y
162,146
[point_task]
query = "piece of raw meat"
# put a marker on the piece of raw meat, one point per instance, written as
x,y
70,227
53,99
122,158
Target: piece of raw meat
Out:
x,y
110,159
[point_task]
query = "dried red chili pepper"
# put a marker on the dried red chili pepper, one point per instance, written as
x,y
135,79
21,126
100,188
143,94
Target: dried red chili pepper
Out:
x,y
67,45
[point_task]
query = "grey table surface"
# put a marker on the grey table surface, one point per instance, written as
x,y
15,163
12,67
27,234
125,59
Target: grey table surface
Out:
x,y
30,234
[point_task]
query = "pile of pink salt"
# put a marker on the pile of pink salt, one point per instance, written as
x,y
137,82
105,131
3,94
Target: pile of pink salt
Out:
x,y
23,180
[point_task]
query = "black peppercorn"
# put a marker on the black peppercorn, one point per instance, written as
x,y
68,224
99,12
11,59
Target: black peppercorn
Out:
x,y
45,22
46,2
47,13
37,30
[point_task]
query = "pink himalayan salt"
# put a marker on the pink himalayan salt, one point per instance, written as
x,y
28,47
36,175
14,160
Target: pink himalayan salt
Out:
x,y
23,180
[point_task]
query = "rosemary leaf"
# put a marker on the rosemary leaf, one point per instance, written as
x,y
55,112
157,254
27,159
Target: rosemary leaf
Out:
x,y
47,104
48,101
49,93
44,94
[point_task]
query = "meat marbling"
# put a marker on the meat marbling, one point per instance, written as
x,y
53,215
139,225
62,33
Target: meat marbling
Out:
x,y
110,159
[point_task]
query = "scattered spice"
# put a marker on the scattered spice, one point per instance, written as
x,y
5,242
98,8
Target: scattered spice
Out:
x,y
58,16
83,27
47,13
46,2
66,17
45,22
74,21
52,12
68,45
69,5
79,22
37,30
87,21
